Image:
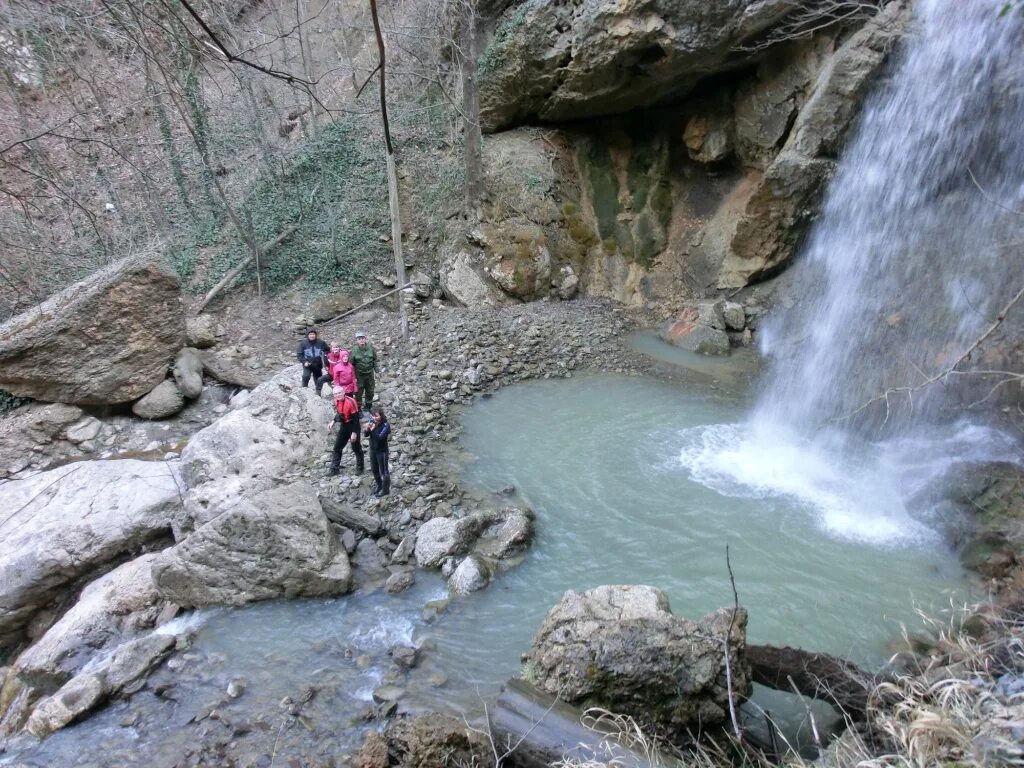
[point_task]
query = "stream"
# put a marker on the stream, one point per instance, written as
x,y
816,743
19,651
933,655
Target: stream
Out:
x,y
621,472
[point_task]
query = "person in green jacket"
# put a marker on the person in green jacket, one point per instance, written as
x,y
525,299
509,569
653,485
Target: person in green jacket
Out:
x,y
364,359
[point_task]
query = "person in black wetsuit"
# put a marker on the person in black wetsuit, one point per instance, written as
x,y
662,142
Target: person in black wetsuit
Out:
x,y
311,354
378,429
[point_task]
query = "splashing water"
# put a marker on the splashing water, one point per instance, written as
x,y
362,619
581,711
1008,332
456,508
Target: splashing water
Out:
x,y
907,266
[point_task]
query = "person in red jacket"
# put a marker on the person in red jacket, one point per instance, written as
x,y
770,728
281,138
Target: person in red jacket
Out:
x,y
334,356
343,374
347,415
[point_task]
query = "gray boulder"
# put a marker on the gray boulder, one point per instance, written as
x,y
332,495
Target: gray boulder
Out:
x,y
69,522
620,647
280,430
72,701
555,61
464,280
443,537
696,329
188,372
118,604
165,400
40,433
107,339
507,534
277,543
472,575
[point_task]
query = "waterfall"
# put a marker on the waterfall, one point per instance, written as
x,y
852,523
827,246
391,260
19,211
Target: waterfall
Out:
x,y
918,246
920,239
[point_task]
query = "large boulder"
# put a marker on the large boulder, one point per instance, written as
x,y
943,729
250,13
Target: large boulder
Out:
x,y
620,647
698,328
558,61
107,339
280,430
68,523
785,199
119,604
464,280
277,543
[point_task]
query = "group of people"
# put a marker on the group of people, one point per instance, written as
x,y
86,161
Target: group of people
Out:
x,y
350,375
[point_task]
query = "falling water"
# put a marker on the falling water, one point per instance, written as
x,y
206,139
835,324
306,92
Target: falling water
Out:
x,y
918,245
917,249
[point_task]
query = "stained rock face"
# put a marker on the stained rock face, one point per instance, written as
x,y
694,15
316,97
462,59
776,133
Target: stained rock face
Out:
x,y
277,543
553,61
786,198
107,339
621,648
71,521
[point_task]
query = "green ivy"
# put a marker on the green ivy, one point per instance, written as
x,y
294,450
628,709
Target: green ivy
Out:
x,y
492,57
9,402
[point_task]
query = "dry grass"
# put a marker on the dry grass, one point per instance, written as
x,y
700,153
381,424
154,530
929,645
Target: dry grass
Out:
x,y
962,707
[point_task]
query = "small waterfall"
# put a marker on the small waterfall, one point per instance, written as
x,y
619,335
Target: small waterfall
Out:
x,y
921,236
917,248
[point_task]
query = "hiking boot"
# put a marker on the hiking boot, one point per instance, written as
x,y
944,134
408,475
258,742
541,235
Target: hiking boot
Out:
x,y
386,488
334,470
359,466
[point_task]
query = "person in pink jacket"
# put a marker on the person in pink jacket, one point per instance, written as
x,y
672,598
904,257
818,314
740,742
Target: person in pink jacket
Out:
x,y
343,374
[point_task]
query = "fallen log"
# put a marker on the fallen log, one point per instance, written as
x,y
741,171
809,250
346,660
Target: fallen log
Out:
x,y
535,730
235,271
835,680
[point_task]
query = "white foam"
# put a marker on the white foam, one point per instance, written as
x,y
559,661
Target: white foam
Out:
x,y
850,498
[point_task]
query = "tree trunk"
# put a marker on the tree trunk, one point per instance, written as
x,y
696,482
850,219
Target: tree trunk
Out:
x,y
389,151
817,675
473,140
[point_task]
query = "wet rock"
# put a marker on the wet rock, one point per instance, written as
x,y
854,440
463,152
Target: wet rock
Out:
x,y
472,575
165,400
693,333
77,697
277,543
368,557
70,521
38,434
113,607
188,372
201,331
405,550
126,670
385,693
508,533
399,581
443,537
620,647
236,687
106,339
405,656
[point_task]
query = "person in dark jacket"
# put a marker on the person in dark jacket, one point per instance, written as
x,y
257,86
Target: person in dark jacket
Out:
x,y
378,429
311,354
364,359
347,415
